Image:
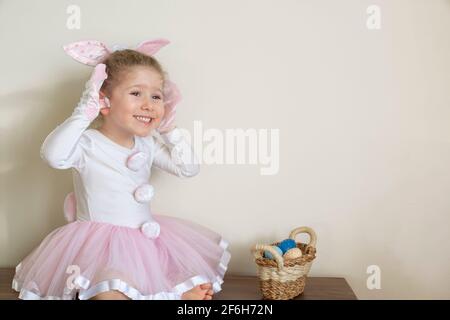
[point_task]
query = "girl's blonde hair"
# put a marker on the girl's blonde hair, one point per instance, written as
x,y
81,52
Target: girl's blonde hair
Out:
x,y
118,63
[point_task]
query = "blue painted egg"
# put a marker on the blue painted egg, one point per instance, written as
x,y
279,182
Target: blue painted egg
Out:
x,y
268,255
287,244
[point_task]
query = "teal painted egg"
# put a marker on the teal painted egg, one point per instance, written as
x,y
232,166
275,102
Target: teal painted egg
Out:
x,y
287,244
269,255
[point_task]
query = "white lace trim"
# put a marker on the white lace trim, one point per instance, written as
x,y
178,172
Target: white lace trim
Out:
x,y
117,284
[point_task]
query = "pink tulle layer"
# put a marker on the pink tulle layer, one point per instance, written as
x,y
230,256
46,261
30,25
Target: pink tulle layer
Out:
x,y
87,258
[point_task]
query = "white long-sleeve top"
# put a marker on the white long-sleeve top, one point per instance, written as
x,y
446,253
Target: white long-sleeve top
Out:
x,y
104,185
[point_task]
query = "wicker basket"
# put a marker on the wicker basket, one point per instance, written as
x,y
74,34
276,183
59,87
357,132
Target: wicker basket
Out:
x,y
281,279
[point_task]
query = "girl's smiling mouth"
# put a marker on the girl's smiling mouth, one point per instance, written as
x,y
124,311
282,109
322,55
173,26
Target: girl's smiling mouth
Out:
x,y
143,119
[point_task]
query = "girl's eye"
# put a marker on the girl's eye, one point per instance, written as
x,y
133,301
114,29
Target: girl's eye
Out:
x,y
137,94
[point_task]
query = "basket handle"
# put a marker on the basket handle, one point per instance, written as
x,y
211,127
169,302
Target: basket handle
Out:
x,y
275,254
309,231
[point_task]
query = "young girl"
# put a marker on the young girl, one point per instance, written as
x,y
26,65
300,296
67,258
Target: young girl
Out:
x,y
115,247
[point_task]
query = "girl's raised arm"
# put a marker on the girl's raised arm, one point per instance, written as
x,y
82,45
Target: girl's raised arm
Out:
x,y
176,155
63,147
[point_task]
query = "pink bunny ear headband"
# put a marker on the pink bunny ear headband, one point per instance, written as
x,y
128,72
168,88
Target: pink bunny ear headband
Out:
x,y
93,52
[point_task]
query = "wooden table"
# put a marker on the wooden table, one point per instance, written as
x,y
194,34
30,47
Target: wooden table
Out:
x,y
235,288
317,288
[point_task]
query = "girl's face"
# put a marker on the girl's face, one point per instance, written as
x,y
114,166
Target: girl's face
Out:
x,y
136,101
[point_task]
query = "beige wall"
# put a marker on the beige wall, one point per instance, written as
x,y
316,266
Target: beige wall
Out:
x,y
363,118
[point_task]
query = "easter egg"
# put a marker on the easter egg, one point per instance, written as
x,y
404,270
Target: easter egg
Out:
x,y
293,253
287,244
269,255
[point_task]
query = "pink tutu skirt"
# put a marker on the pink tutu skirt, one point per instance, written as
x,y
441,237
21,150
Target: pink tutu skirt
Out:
x,y
85,258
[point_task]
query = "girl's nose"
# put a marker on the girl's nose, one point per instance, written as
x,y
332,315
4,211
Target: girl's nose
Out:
x,y
147,107
147,104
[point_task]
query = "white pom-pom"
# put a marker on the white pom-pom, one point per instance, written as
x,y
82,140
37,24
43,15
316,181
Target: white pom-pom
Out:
x,y
137,160
144,193
151,229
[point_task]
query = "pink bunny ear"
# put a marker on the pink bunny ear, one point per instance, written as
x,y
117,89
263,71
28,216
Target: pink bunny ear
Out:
x,y
171,93
150,47
90,52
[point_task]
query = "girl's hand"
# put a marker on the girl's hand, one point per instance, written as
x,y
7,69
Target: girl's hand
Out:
x,y
166,129
90,102
171,98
